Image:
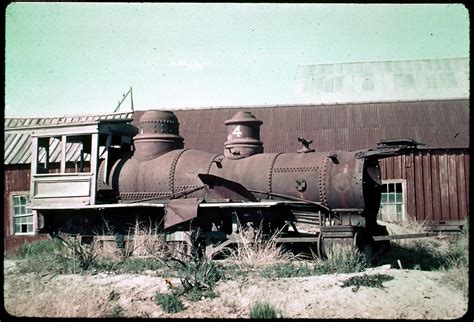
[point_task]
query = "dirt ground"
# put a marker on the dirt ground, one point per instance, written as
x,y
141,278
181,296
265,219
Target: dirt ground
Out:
x,y
412,294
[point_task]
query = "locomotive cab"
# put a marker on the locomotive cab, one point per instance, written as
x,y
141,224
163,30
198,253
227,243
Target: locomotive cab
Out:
x,y
65,159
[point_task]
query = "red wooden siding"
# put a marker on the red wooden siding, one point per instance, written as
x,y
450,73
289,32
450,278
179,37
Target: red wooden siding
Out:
x,y
437,183
17,179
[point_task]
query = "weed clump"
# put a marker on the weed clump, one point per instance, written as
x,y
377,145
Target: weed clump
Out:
x,y
375,280
196,294
341,259
263,310
170,303
198,273
116,312
289,269
37,250
456,262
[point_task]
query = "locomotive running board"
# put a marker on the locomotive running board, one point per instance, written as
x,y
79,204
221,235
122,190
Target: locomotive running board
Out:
x,y
246,204
249,204
103,206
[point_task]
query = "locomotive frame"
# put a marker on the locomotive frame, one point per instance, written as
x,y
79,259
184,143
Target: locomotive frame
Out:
x,y
119,178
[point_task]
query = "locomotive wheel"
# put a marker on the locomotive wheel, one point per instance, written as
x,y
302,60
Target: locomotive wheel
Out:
x,y
327,243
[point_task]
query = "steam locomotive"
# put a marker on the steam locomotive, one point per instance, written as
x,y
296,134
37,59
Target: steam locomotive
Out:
x,y
214,196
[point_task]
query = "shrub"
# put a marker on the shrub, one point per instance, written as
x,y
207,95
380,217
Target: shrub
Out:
x,y
78,256
341,258
199,274
375,280
263,310
170,303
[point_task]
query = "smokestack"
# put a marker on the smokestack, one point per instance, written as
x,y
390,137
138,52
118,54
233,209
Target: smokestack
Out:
x,y
158,134
243,136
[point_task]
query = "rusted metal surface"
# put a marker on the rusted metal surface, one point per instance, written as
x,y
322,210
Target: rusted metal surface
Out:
x,y
180,210
243,136
158,134
336,179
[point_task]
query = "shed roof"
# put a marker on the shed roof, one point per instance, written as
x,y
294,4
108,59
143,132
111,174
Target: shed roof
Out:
x,y
438,124
17,140
355,82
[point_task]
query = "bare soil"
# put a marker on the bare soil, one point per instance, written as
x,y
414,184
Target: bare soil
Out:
x,y
412,294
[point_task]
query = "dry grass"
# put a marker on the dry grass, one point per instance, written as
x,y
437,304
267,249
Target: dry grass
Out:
x,y
430,245
142,241
408,226
62,302
145,241
457,262
253,250
457,274
107,249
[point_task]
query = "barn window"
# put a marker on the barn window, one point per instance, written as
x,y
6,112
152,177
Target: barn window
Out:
x,y
22,215
392,204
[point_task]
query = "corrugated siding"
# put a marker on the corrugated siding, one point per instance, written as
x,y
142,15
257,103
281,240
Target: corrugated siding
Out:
x,y
438,124
437,183
17,144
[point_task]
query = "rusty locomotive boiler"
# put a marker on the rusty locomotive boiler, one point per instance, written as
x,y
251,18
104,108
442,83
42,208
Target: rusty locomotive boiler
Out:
x,y
334,196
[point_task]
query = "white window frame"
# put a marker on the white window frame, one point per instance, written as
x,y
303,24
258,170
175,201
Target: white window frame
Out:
x,y
13,216
404,197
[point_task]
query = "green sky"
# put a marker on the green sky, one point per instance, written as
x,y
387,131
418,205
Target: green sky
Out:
x,y
78,58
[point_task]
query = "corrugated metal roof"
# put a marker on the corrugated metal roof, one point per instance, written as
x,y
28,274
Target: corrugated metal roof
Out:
x,y
429,79
17,141
438,124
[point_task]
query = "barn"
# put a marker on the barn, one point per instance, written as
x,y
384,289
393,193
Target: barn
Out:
x,y
431,184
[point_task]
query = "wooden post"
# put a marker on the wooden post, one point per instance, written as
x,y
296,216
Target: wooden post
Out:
x,y
63,154
46,157
34,164
94,163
